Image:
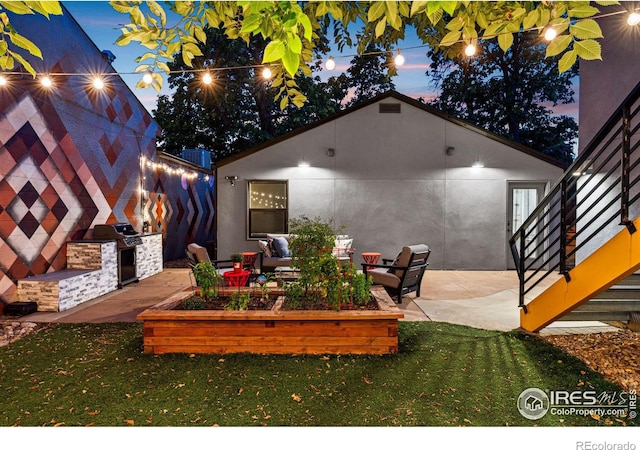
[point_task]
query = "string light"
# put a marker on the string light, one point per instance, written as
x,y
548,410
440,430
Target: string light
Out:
x,y
331,63
147,78
550,34
46,81
470,49
98,83
633,19
399,59
161,166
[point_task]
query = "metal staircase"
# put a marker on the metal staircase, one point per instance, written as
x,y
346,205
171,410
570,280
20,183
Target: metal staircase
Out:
x,y
585,230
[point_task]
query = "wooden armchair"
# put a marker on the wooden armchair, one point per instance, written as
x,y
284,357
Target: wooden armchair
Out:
x,y
404,274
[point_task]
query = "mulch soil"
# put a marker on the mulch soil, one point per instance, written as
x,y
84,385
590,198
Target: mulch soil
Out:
x,y
616,355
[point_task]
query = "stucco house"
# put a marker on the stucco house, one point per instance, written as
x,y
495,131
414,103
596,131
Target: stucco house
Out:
x,y
396,172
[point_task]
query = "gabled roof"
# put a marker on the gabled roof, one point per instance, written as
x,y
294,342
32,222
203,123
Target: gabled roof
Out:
x,y
403,98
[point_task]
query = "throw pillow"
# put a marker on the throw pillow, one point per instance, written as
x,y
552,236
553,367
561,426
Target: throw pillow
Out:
x,y
342,247
264,247
281,247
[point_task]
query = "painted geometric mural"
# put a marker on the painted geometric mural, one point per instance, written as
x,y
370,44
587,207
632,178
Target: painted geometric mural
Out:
x,y
71,158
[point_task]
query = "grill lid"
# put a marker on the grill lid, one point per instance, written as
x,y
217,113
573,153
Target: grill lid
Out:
x,y
124,233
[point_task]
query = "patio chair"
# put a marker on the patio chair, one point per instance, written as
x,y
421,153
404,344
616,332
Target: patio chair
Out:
x,y
402,275
197,253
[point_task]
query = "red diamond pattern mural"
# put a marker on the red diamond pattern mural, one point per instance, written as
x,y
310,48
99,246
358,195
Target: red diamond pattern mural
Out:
x,y
71,157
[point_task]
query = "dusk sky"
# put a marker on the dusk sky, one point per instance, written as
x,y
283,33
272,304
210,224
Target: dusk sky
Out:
x,y
102,24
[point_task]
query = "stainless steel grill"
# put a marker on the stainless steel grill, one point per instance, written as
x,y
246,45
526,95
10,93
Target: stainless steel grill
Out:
x,y
127,239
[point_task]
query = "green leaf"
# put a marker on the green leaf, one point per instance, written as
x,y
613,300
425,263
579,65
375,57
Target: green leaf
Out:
x,y
7,62
157,10
505,40
26,44
284,102
306,25
567,61
16,7
291,62
586,29
588,49
200,34
376,10
273,51
494,29
450,38
455,24
449,7
418,7
380,27
28,67
251,23
558,45
531,19
163,66
295,44
392,10
481,20
583,11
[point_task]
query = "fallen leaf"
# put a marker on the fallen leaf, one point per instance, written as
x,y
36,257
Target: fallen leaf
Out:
x,y
366,380
296,398
129,422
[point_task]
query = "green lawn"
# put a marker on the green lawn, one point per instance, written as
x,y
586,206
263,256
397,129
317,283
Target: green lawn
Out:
x,y
444,375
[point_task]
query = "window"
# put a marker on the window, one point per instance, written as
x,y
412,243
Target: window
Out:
x,y
268,208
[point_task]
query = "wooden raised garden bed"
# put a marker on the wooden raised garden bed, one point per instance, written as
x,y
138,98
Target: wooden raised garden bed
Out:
x,y
169,330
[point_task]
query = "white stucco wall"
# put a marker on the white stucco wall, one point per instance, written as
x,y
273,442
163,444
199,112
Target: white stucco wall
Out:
x,y
392,183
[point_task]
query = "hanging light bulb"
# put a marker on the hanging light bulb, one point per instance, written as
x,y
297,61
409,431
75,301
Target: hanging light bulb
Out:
x,y
399,59
207,78
98,83
147,78
46,81
3,80
550,34
477,164
470,49
633,19
330,64
266,73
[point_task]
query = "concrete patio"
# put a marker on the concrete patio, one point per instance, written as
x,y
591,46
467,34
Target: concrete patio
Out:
x,y
480,299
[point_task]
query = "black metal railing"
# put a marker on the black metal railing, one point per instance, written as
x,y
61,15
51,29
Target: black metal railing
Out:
x,y
597,194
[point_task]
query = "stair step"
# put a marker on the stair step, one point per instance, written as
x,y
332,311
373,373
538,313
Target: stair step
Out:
x,y
631,280
599,316
620,291
612,305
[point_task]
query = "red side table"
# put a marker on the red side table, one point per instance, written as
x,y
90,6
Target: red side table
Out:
x,y
235,279
250,260
371,257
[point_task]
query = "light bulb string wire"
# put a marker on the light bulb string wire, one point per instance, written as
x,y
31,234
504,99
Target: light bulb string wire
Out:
x,y
263,65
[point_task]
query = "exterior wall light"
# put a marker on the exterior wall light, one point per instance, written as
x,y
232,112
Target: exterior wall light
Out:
x,y
477,164
231,179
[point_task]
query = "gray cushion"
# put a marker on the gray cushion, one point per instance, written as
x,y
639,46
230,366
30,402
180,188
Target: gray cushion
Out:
x,y
281,247
383,277
199,251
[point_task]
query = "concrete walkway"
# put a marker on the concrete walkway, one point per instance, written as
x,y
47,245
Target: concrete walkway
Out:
x,y
480,299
